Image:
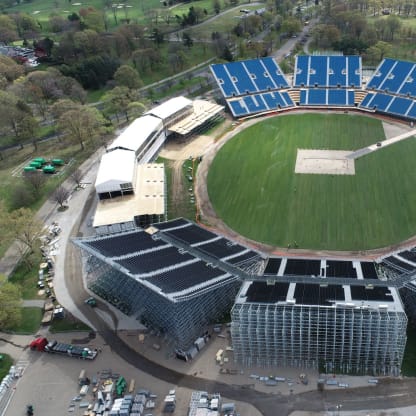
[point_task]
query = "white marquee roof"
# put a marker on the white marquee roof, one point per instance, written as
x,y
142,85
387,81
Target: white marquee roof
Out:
x,y
170,107
133,137
116,167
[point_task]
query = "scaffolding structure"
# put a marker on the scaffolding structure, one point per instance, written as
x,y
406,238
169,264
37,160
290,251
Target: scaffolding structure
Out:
x,y
176,288
349,337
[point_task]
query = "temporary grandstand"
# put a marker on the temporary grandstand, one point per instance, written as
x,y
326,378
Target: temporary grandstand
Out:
x,y
176,277
331,326
258,86
253,86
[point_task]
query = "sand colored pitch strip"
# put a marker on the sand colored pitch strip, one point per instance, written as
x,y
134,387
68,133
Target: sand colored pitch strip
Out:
x,y
324,162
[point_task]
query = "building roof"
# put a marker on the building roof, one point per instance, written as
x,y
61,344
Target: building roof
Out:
x,y
323,295
136,134
116,167
148,198
170,107
202,111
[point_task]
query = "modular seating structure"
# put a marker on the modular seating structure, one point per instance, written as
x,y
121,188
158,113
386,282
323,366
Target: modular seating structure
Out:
x,y
176,278
327,80
392,89
327,72
252,86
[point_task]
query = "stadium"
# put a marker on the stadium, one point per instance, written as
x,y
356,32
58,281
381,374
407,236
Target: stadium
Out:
x,y
178,277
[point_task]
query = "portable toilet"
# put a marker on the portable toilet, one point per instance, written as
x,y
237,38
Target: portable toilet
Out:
x,y
49,169
57,162
40,160
35,164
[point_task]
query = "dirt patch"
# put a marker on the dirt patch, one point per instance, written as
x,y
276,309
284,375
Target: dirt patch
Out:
x,y
180,149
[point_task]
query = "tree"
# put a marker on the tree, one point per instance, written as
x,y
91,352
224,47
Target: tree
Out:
x,y
16,117
27,26
60,195
122,100
8,29
77,176
126,76
187,40
82,124
34,181
22,226
10,302
217,6
378,51
291,26
9,69
393,24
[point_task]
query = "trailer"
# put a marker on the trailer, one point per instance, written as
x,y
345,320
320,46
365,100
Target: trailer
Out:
x,y
55,347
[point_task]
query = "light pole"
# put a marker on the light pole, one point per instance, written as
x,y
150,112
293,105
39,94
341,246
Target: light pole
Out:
x,y
338,407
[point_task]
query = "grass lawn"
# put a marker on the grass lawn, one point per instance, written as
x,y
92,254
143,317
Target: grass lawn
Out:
x,y
42,9
222,24
409,359
30,322
27,277
253,187
68,324
5,365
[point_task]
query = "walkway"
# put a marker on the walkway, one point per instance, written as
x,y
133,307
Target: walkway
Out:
x,y
381,145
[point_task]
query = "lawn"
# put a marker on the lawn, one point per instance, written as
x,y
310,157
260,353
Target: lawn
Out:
x,y
68,324
5,365
30,323
223,24
27,277
42,9
253,187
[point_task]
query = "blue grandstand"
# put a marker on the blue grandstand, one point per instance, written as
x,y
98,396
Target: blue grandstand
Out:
x,y
327,71
258,86
257,103
249,77
395,77
326,97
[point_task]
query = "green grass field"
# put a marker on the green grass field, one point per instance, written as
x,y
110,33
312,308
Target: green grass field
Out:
x,y
253,187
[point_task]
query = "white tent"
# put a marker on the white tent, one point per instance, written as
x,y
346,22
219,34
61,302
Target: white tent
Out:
x,y
116,168
136,134
170,107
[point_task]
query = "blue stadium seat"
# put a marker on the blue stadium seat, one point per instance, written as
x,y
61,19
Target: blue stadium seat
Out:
x,y
409,84
255,103
301,71
276,99
340,97
262,78
395,78
318,71
237,108
240,78
317,97
337,71
381,101
367,99
354,71
287,98
400,106
275,72
411,113
224,80
380,74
